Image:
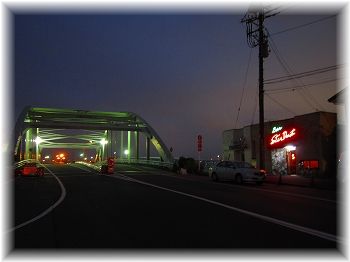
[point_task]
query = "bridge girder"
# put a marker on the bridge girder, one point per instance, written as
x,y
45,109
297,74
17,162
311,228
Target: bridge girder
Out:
x,y
54,118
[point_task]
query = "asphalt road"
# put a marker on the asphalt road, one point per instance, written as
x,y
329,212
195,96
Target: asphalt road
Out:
x,y
74,207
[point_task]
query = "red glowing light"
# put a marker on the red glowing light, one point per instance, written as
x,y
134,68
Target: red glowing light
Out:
x,y
279,137
293,156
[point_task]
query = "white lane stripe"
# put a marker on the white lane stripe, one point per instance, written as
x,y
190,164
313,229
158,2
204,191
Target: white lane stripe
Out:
x,y
63,195
264,190
262,217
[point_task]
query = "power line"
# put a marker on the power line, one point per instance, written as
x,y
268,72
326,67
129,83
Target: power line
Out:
x,y
244,84
281,105
289,72
303,25
301,75
285,8
293,88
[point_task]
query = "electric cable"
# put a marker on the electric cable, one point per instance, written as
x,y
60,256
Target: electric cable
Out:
x,y
301,75
293,88
281,105
244,84
306,96
303,25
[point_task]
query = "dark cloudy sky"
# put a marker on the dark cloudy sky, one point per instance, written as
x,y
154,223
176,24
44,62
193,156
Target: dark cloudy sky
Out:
x,y
183,73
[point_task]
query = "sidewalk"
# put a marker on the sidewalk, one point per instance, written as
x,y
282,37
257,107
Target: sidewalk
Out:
x,y
296,180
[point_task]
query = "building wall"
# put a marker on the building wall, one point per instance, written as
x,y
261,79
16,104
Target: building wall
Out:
x,y
316,141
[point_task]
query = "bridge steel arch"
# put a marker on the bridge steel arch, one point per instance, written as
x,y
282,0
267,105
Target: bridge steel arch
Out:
x,y
33,118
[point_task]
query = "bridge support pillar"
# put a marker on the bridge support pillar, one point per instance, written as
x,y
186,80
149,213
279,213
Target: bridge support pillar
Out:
x,y
112,143
137,144
37,148
121,144
129,145
30,145
148,143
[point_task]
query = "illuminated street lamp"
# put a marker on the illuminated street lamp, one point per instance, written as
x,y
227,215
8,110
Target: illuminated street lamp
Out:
x,y
37,140
126,152
103,141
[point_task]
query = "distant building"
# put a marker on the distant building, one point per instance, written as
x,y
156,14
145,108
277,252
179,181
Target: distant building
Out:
x,y
302,145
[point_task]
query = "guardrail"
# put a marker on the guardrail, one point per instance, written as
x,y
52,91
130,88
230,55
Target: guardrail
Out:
x,y
153,163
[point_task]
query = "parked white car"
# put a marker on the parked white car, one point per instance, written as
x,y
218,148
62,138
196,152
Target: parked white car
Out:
x,y
240,172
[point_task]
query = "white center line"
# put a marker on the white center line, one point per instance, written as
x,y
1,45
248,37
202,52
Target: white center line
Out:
x,y
306,230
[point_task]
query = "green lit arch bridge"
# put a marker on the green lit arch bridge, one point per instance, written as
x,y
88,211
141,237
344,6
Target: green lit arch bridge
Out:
x,y
109,134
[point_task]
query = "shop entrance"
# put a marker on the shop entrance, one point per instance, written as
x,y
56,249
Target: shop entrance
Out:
x,y
284,160
291,162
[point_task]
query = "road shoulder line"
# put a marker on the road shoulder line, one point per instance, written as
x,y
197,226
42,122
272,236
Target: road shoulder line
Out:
x,y
306,230
48,210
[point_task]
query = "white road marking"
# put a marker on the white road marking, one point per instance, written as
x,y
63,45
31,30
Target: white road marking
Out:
x,y
306,230
259,189
63,195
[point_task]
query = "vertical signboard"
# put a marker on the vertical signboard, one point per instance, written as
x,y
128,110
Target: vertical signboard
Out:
x,y
199,149
199,143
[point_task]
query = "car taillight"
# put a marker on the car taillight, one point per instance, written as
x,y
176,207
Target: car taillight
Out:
x,y
27,170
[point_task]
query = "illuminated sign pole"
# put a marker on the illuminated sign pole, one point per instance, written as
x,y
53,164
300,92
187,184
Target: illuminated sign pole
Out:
x,y
199,149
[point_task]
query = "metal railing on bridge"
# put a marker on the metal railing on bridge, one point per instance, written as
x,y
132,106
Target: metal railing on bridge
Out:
x,y
152,162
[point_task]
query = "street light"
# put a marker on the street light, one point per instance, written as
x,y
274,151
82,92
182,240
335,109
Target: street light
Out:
x,y
37,141
126,152
103,141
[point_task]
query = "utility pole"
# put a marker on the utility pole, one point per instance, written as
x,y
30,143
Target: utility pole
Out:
x,y
257,37
261,91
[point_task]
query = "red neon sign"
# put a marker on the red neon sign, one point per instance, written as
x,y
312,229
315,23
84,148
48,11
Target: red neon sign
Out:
x,y
279,137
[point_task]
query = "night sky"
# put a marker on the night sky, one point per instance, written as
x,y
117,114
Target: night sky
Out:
x,y
183,73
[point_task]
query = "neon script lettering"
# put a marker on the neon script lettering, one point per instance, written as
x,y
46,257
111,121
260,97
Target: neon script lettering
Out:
x,y
276,129
282,136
